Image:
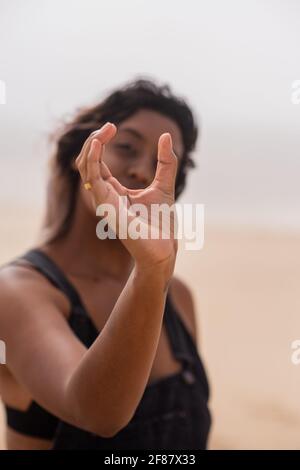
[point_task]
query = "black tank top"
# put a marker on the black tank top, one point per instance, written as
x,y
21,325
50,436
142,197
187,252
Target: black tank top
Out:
x,y
173,412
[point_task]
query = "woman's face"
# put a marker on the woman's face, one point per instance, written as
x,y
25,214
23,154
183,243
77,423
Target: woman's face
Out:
x,y
132,153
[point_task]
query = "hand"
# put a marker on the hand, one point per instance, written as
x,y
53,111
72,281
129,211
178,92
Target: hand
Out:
x,y
106,189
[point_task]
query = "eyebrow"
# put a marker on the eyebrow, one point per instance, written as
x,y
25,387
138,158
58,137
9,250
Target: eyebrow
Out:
x,y
133,132
138,135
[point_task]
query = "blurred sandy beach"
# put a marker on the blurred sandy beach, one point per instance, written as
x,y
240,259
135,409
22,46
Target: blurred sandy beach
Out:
x,y
246,283
246,287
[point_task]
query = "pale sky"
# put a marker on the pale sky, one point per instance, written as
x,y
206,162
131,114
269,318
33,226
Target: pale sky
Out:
x,y
233,61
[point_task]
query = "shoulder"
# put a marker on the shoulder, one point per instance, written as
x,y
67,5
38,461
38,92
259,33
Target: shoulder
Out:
x,y
183,301
18,278
21,284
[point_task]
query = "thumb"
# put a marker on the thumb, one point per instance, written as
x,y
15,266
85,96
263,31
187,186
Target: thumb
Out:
x,y
166,169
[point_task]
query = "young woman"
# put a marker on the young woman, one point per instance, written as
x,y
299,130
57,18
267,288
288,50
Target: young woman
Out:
x,y
100,336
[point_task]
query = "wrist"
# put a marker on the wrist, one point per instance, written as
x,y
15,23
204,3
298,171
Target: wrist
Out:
x,y
159,273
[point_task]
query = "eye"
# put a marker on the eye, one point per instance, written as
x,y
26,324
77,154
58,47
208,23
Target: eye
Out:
x,y
127,148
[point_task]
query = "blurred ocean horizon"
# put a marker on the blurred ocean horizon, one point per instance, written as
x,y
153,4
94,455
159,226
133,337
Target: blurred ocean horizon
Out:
x,y
239,187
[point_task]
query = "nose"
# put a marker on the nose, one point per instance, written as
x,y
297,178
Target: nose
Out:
x,y
141,173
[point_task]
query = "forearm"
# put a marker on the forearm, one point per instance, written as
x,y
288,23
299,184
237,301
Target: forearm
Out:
x,y
111,377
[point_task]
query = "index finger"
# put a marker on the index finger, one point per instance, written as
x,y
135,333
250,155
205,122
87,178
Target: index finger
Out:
x,y
104,134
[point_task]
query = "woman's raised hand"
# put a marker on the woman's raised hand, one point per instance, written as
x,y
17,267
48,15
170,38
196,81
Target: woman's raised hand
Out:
x,y
106,189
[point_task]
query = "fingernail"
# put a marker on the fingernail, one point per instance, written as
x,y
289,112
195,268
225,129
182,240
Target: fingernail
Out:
x,y
108,124
169,138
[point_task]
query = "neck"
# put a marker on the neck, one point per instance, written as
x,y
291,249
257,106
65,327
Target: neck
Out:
x,y
81,253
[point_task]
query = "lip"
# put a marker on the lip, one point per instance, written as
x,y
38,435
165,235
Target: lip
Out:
x,y
136,187
130,185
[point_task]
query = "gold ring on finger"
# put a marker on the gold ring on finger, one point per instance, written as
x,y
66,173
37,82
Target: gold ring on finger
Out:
x,y
87,185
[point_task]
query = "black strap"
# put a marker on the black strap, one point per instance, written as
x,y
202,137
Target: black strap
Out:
x,y
178,334
35,421
46,266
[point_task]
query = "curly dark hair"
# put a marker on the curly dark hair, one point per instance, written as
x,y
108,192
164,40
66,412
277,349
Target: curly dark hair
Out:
x,y
119,105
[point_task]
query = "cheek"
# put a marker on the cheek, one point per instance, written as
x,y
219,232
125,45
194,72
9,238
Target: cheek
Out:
x,y
115,163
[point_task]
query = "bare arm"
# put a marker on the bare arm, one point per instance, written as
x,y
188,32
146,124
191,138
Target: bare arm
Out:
x,y
122,355
97,389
